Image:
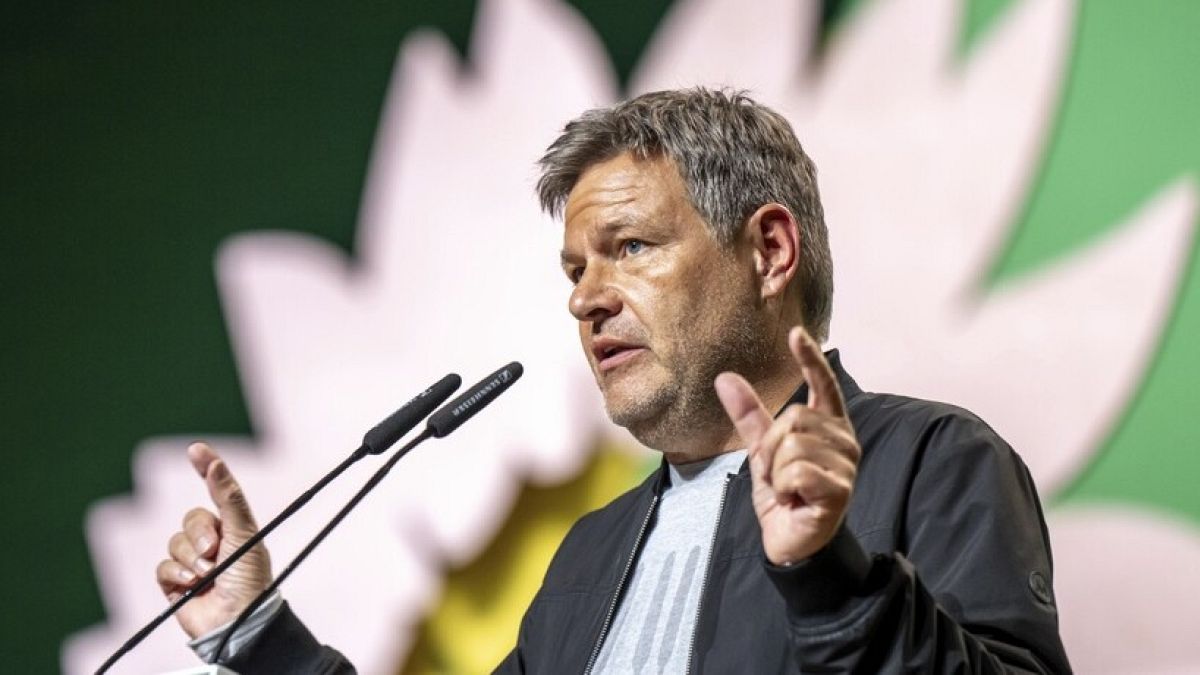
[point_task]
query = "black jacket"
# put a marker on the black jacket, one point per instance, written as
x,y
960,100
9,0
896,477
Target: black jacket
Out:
x,y
943,566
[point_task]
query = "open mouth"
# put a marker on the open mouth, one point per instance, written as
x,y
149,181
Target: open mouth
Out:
x,y
610,353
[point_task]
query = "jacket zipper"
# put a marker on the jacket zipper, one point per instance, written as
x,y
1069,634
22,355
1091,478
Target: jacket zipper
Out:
x,y
612,606
712,550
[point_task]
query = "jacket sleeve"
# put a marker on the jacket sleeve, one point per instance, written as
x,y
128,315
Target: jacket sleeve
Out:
x,y
285,646
969,593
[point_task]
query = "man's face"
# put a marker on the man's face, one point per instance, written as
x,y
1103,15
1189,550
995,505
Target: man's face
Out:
x,y
662,306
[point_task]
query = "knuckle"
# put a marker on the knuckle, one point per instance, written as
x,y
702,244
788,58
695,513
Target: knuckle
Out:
x,y
840,438
792,477
236,498
844,469
790,446
815,421
197,517
841,496
781,463
792,415
164,570
785,476
807,475
797,447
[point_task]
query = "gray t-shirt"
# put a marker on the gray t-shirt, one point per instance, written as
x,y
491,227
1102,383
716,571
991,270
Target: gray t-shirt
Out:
x,y
652,630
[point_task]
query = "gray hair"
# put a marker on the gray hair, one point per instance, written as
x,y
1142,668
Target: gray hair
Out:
x,y
733,154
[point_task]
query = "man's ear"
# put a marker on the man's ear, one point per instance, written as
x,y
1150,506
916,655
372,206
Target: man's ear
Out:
x,y
774,235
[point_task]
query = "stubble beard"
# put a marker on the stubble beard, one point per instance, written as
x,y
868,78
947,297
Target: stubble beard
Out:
x,y
665,415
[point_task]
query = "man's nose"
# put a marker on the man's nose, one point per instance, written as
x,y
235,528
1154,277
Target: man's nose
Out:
x,y
595,297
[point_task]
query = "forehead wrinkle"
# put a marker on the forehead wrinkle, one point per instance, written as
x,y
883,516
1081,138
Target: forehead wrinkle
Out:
x,y
605,199
601,197
618,194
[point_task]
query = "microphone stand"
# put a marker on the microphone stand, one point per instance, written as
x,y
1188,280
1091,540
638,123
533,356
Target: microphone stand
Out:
x,y
373,481
207,580
381,437
439,425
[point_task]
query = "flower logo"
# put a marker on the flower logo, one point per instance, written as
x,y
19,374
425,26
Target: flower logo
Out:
x,y
926,161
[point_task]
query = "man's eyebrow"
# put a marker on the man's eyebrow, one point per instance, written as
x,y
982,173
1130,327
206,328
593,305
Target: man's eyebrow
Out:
x,y
608,229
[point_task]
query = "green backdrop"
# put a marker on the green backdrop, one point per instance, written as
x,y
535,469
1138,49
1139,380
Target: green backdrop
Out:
x,y
138,135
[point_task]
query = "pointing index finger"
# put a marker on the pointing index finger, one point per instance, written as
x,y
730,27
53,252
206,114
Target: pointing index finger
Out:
x,y
824,394
223,488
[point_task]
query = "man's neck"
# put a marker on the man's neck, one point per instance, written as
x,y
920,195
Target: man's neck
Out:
x,y
718,435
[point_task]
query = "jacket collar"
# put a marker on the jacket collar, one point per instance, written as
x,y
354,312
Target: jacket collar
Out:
x,y
849,387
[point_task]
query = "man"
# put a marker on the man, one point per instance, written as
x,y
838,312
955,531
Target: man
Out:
x,y
851,532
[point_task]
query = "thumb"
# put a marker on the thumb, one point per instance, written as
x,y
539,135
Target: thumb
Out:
x,y
223,489
745,409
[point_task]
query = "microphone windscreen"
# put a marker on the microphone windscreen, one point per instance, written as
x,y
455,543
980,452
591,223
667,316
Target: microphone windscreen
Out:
x,y
387,432
454,413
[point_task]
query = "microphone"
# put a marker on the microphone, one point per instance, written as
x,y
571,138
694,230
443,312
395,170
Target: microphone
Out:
x,y
454,413
440,424
377,440
385,434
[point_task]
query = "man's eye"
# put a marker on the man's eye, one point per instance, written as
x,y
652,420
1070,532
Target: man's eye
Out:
x,y
575,274
634,246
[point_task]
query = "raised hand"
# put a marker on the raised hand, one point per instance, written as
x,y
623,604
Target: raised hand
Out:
x,y
802,463
207,539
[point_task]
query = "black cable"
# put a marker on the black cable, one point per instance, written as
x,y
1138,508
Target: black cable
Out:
x,y
333,522
207,580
